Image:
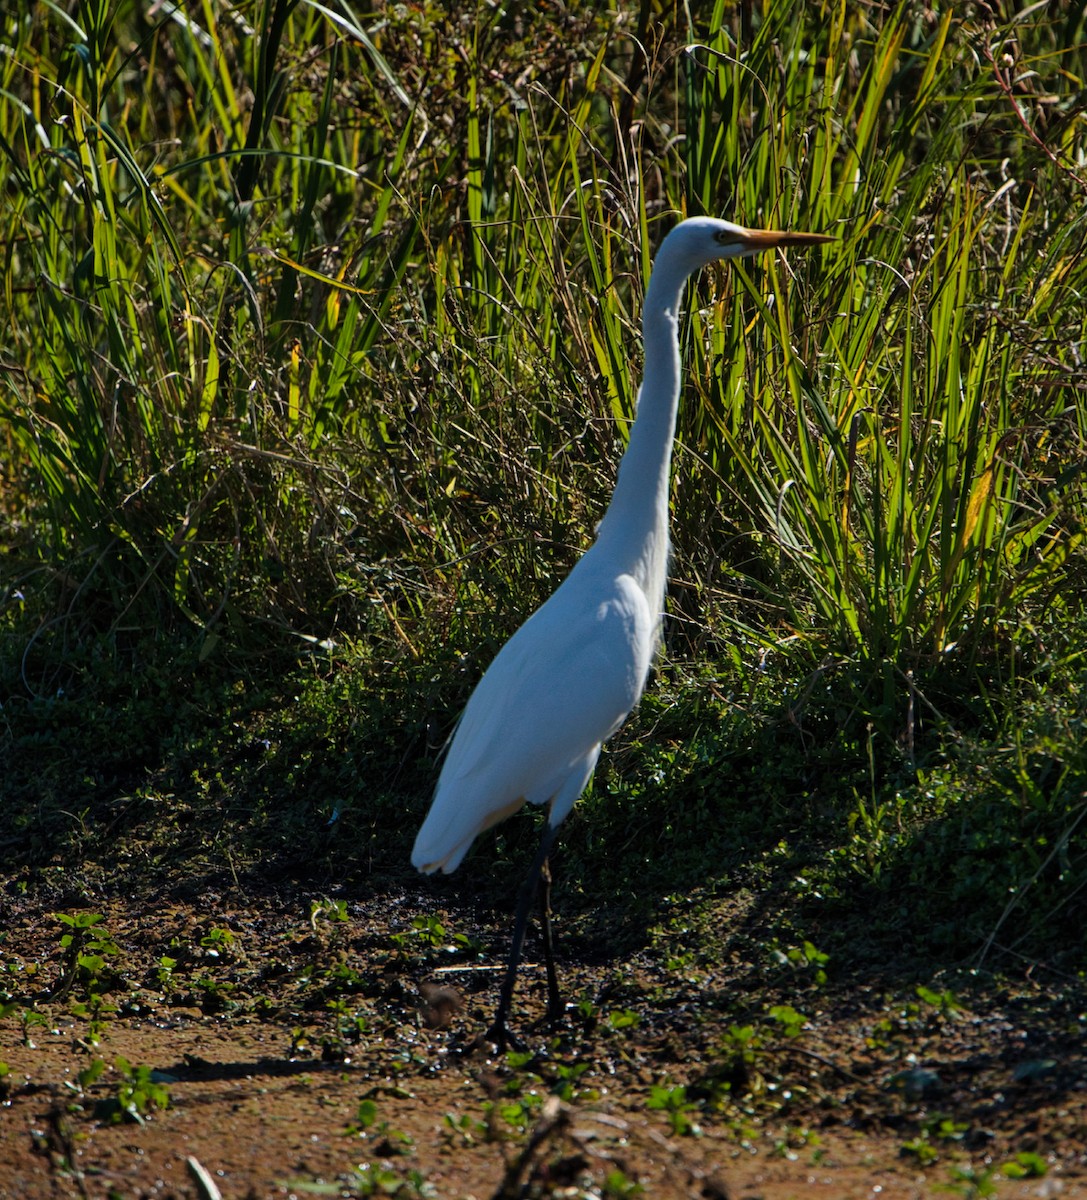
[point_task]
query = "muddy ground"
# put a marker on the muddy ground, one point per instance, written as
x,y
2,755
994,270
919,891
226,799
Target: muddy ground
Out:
x,y
286,1050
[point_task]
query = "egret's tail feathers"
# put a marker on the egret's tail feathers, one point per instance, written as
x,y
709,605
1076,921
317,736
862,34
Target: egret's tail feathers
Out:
x,y
427,860
450,829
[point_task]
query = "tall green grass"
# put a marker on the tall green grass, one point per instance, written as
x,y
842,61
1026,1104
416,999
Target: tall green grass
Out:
x,y
895,443
332,321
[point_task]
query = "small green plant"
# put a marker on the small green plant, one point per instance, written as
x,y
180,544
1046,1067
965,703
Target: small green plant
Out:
x,y
587,1009
387,1141
881,1035
1027,1164
520,1098
217,942
332,911
94,1011
139,1091
427,932
921,1150
739,1067
520,1112
365,1117
86,1078
372,1179
625,1018
566,1083
673,1102
164,972
30,1019
680,962
805,958
464,1130
945,1129
788,1019
788,1147
936,1128
739,1049
86,944
971,1183
944,1002
617,1185
352,1024
215,994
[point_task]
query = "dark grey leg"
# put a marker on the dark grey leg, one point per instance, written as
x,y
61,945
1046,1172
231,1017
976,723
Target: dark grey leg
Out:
x,y
555,1007
498,1032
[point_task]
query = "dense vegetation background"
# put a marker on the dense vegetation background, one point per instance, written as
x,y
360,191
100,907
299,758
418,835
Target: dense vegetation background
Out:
x,y
320,345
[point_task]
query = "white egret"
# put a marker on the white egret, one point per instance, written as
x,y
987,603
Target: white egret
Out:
x,y
566,680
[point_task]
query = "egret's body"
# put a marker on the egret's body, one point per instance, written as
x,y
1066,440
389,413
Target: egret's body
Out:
x,y
533,727
567,679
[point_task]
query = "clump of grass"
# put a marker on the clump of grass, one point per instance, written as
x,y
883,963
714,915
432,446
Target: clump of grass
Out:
x,y
903,446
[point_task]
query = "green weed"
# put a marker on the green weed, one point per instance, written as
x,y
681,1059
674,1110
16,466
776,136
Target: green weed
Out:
x,y
140,1091
805,959
566,1082
1027,1164
936,1130
332,911
214,995
86,946
623,1019
617,1185
673,1102
463,1130
373,1179
971,1183
788,1019
921,1149
217,940
164,973
386,1141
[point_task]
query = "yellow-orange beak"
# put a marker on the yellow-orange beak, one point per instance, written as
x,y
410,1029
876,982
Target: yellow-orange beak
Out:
x,y
771,239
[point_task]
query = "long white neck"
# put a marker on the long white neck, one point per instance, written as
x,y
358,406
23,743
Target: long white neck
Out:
x,y
635,526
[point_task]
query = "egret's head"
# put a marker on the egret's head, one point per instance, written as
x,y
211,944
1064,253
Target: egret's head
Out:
x,y
702,240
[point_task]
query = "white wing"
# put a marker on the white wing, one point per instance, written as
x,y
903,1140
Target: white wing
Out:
x,y
533,727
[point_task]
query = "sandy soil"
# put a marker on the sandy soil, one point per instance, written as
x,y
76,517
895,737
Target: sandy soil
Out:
x,y
297,1058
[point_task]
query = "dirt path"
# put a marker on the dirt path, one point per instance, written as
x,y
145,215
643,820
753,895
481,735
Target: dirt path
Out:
x,y
293,1057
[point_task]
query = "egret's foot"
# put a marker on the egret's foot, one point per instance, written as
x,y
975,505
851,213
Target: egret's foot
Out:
x,y
497,1038
555,1015
501,1037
